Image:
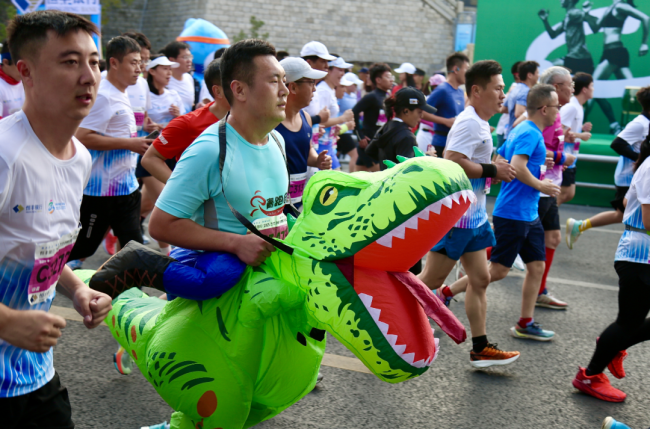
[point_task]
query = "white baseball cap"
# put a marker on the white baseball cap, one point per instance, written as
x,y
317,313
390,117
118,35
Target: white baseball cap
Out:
x,y
297,68
345,82
352,78
406,68
340,63
316,49
161,61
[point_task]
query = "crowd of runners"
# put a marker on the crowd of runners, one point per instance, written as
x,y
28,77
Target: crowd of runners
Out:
x,y
86,156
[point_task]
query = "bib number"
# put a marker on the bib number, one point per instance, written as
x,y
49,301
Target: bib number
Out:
x,y
273,226
139,117
488,183
49,260
297,186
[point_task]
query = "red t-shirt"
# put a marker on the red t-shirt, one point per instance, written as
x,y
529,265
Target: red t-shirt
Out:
x,y
182,131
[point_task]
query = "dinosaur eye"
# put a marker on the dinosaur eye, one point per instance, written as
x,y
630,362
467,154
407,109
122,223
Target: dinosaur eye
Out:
x,y
328,195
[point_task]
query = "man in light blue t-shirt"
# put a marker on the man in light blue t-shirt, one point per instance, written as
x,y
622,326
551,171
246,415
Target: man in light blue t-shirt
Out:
x,y
516,103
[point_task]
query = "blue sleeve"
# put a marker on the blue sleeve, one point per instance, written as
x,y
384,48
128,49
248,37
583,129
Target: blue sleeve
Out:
x,y
525,144
186,191
521,98
501,151
435,97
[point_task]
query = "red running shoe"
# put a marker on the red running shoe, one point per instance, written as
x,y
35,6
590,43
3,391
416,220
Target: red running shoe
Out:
x,y
110,243
616,365
597,386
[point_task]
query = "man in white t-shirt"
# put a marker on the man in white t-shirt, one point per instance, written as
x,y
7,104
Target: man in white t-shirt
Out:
x,y
43,171
627,144
572,115
12,94
469,144
112,198
181,81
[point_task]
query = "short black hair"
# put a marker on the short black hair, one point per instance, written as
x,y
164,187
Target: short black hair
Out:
x,y
237,63
27,33
280,55
311,58
5,50
119,47
526,68
140,38
644,98
480,73
219,52
419,71
514,70
456,60
538,96
582,80
377,70
152,87
212,75
173,49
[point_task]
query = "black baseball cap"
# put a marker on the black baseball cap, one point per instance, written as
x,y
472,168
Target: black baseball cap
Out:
x,y
412,98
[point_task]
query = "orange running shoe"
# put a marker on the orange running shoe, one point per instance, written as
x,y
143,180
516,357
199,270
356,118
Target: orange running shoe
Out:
x,y
597,386
110,243
616,365
491,355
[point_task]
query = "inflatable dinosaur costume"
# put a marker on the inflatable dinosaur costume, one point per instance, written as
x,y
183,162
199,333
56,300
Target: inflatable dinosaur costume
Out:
x,y
243,357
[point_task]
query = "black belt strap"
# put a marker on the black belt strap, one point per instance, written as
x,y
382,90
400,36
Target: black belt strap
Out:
x,y
631,228
248,224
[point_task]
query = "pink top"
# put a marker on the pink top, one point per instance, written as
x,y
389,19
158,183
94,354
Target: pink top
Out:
x,y
552,141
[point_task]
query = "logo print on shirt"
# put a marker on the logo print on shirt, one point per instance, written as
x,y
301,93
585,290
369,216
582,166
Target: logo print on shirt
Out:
x,y
18,208
265,205
50,207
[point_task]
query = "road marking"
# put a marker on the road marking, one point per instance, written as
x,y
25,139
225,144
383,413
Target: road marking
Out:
x,y
335,361
571,282
611,231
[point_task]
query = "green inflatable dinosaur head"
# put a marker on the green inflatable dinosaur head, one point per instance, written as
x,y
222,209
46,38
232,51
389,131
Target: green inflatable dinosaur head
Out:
x,y
368,229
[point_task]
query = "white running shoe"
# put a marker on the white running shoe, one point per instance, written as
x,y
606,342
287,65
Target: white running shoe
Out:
x,y
549,301
572,231
519,264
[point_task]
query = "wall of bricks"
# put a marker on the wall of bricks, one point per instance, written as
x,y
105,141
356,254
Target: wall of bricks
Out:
x,y
359,30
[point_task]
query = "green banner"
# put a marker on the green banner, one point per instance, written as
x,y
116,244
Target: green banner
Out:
x,y
604,38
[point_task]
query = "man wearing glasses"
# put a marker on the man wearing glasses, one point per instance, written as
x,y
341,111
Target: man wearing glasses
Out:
x,y
296,129
181,81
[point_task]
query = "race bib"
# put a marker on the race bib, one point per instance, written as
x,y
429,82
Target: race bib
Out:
x,y
273,226
542,172
297,186
49,260
134,131
138,112
488,183
381,119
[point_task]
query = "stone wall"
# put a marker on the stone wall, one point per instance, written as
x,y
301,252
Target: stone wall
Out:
x,y
394,31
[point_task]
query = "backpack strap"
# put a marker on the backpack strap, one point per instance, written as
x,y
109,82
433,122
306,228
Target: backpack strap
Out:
x,y
248,224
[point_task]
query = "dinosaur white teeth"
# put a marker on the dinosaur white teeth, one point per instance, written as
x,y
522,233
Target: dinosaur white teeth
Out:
x,y
424,214
412,223
399,231
392,339
455,196
386,240
409,357
447,202
436,207
383,327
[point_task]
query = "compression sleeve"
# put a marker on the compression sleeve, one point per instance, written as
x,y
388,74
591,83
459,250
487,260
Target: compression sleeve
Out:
x,y
623,148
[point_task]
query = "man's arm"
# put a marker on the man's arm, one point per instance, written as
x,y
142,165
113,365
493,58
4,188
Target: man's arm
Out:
x,y
623,148
552,31
33,330
520,162
356,111
95,141
155,164
519,110
473,170
92,305
188,234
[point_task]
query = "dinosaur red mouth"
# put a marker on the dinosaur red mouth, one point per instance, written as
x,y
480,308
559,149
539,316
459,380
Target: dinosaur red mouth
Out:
x,y
400,248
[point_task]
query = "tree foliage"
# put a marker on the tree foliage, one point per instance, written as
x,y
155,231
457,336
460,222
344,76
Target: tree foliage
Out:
x,y
7,11
256,26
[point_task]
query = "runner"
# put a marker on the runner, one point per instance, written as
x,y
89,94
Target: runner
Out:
x,y
632,264
347,143
420,83
448,99
41,161
627,144
406,77
549,214
182,131
111,198
425,133
166,104
516,218
372,107
505,117
572,115
470,145
12,94
296,129
181,81
528,72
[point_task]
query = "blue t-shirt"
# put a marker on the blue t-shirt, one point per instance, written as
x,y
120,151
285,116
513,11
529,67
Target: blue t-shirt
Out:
x,y
255,178
519,96
516,200
298,145
347,103
634,246
449,102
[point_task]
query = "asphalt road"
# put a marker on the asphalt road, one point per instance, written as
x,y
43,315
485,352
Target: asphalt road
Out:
x,y
534,392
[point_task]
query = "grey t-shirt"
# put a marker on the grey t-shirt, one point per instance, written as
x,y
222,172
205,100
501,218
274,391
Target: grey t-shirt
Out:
x,y
575,34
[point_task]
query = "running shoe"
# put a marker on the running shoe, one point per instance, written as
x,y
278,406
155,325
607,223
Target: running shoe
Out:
x,y
460,270
123,363
616,365
597,386
110,243
75,265
572,231
610,423
547,300
490,356
320,377
163,425
533,331
441,296
519,264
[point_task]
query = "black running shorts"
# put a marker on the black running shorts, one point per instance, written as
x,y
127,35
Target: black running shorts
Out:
x,y
548,213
